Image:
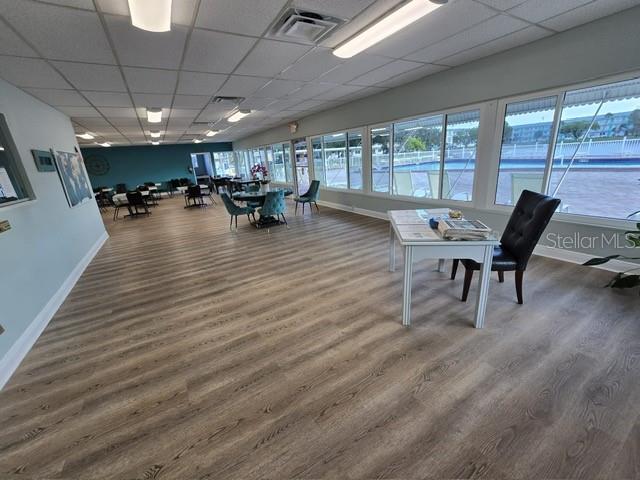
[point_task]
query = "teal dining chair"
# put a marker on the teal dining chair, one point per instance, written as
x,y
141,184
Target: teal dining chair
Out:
x,y
274,206
236,210
311,196
253,189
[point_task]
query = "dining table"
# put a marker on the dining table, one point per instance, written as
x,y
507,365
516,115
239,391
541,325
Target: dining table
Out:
x,y
258,198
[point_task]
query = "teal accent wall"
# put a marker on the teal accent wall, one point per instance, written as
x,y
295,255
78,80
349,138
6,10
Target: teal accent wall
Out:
x,y
148,163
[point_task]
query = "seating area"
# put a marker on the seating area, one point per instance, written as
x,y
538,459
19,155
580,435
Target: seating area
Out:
x,y
319,240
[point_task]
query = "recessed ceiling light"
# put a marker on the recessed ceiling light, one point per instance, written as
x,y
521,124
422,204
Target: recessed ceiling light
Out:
x,y
197,140
85,136
155,143
1,148
105,144
211,133
155,133
239,115
390,24
154,115
151,15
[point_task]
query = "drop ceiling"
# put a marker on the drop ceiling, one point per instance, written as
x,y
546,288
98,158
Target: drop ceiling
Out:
x,y
84,58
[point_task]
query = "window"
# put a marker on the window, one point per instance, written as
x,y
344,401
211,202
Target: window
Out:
x,y
277,170
526,135
355,160
335,160
269,161
596,162
223,163
288,165
302,165
459,156
416,157
380,158
318,160
242,161
13,186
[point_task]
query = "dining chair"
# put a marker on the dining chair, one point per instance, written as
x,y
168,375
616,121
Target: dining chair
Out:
x,y
274,206
194,197
529,218
311,196
236,210
253,189
136,202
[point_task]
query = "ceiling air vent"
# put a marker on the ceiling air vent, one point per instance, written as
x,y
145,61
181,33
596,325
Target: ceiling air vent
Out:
x,y
233,100
303,26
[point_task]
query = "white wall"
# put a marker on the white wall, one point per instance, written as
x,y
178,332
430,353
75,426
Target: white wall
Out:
x,y
40,255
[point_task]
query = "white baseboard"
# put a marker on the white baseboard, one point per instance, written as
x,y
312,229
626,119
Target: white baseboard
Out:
x,y
570,256
21,347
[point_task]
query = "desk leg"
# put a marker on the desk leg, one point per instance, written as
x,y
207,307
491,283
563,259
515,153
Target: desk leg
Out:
x,y
483,286
441,266
392,249
406,285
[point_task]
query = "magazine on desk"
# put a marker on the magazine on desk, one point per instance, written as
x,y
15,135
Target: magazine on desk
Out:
x,y
452,229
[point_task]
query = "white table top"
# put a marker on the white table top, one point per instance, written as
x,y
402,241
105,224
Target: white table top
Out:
x,y
412,228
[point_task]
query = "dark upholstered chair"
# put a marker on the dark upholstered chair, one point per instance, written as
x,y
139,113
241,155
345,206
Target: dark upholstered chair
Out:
x,y
194,197
311,196
137,204
527,223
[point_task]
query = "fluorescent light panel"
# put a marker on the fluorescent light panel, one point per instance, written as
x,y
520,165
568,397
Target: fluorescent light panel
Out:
x,y
154,115
151,15
105,144
197,140
390,24
155,133
239,115
211,133
155,143
85,136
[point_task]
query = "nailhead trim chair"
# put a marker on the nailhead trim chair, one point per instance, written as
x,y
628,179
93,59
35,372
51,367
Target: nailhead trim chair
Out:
x,y
528,221
311,196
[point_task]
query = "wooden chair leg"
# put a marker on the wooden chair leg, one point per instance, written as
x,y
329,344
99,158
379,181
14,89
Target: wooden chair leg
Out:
x,y
303,208
296,209
500,276
231,222
317,208
519,276
468,276
454,268
236,222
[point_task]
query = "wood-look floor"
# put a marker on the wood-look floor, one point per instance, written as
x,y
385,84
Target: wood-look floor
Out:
x,y
186,351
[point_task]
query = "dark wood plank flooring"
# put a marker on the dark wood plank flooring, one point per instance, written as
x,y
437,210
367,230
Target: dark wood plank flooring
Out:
x,y
189,351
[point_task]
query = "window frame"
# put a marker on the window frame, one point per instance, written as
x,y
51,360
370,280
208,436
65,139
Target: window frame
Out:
x,y
18,166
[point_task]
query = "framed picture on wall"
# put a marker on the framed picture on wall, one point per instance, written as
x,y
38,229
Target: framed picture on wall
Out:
x,y
44,160
73,177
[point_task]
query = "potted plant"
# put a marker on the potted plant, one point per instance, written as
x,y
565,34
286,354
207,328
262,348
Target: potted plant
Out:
x,y
629,278
259,172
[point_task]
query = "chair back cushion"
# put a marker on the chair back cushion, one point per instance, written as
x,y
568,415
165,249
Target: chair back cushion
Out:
x,y
194,191
231,207
274,203
135,198
314,189
527,223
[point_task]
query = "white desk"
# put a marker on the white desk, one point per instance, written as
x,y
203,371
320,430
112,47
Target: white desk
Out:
x,y
418,241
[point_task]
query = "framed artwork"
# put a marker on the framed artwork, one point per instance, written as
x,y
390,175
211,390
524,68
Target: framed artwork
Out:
x,y
73,177
44,160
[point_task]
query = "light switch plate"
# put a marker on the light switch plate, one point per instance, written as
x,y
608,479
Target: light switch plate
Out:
x,y
4,226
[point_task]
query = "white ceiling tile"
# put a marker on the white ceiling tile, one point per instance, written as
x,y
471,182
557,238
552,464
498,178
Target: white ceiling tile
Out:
x,y
386,72
241,86
516,39
153,100
184,114
337,92
502,4
86,4
181,10
365,92
59,32
116,7
12,44
588,13
118,112
257,103
310,90
335,8
197,129
86,76
307,105
30,72
312,65
214,112
356,66
108,99
278,88
142,80
190,101
270,57
59,98
539,10
412,75
92,123
484,32
247,17
158,50
124,122
216,52
438,25
79,112
192,83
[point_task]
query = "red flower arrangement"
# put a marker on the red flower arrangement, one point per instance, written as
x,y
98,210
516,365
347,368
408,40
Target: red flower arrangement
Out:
x,y
259,168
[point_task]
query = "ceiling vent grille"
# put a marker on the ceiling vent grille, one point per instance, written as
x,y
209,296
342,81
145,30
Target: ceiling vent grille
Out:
x,y
230,100
303,26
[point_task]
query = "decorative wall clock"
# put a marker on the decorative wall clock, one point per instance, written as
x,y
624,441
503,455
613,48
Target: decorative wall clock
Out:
x,y
97,165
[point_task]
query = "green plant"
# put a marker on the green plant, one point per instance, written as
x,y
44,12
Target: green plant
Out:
x,y
625,279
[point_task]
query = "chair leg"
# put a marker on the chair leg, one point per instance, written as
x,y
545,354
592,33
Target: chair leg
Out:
x,y
231,222
519,276
468,276
285,220
454,268
296,209
500,276
236,222
303,208
317,208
